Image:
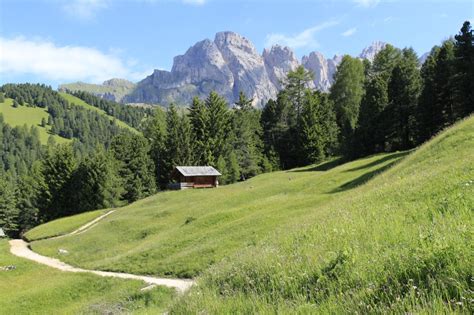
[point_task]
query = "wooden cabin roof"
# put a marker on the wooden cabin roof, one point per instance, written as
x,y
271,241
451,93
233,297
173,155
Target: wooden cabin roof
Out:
x,y
197,171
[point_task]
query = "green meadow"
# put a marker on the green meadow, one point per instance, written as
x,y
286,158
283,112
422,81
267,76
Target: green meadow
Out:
x,y
29,116
387,233
31,288
182,233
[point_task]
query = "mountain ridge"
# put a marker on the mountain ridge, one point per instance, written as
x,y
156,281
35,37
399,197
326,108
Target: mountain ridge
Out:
x,y
228,64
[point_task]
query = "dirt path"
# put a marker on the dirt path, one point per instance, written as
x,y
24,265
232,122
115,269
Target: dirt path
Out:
x,y
21,248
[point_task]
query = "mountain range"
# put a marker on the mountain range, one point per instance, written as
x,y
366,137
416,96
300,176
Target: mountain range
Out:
x,y
228,64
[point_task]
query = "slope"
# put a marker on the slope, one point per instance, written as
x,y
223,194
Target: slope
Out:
x,y
29,116
403,243
77,101
181,233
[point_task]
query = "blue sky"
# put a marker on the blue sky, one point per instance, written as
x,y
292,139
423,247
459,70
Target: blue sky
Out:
x,y
56,41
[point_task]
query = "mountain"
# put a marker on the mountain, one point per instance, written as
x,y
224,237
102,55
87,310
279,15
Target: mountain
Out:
x,y
112,90
228,64
369,52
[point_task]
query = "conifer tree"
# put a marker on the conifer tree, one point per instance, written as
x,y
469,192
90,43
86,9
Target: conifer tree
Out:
x,y
346,93
403,91
464,52
297,82
8,210
199,119
218,127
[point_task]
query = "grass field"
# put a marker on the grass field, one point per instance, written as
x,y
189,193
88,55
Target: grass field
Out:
x,y
62,226
77,101
35,289
182,233
403,243
30,116
322,239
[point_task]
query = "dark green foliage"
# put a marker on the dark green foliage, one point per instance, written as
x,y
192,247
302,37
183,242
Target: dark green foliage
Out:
x,y
403,90
218,127
346,93
248,143
35,95
8,210
133,116
295,86
317,128
199,118
135,166
154,129
2,97
59,165
464,53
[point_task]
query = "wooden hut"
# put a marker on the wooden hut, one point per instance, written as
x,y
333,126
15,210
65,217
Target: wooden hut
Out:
x,y
194,177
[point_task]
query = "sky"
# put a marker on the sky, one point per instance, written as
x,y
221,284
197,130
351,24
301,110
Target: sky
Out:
x,y
62,41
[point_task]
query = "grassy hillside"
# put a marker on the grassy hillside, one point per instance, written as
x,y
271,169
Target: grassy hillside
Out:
x,y
403,243
62,226
77,101
35,289
182,233
311,240
116,87
30,116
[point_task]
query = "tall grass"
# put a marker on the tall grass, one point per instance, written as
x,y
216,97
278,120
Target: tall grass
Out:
x,y
402,243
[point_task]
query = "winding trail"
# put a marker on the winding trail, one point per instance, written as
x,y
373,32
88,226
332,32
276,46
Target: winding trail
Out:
x,y
21,248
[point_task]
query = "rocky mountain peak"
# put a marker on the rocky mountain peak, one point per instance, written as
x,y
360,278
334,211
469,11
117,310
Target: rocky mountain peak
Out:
x,y
279,60
373,49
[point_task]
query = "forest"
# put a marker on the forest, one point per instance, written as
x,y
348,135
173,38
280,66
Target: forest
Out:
x,y
391,104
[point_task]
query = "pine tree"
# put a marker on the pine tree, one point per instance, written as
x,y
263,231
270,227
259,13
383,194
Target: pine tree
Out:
x,y
428,117
96,183
317,128
297,82
465,70
247,130
135,165
199,119
219,126
221,166
403,91
8,210
370,135
155,131
233,168
58,167
346,93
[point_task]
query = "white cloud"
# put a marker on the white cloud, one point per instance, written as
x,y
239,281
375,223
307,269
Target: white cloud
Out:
x,y
367,3
388,19
305,38
194,2
84,9
349,32
47,60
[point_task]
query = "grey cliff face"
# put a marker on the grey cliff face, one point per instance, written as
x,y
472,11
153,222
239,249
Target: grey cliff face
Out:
x,y
369,52
230,64
278,62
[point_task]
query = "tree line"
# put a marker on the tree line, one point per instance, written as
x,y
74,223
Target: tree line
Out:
x,y
390,104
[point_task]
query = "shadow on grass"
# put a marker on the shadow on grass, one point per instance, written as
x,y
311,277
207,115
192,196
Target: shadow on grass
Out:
x,y
362,179
386,158
325,166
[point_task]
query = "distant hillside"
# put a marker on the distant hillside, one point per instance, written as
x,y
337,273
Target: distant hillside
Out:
x,y
29,116
112,90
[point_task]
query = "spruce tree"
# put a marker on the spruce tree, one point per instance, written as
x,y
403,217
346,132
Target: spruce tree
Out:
x,y
218,127
296,83
403,91
155,131
199,119
317,128
8,210
465,70
247,130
